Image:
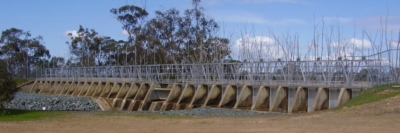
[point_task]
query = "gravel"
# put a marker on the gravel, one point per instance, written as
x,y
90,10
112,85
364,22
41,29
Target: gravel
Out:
x,y
29,101
209,111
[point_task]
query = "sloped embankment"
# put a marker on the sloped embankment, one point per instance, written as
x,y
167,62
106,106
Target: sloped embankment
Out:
x,y
377,100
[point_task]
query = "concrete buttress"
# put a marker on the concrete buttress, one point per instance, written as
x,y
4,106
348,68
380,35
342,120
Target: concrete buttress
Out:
x,y
185,98
91,89
300,100
200,96
262,99
344,96
245,99
130,95
228,97
214,96
172,98
280,102
321,100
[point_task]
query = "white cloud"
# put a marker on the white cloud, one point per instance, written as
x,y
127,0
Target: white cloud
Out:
x,y
124,32
255,48
74,33
360,43
394,44
353,43
351,47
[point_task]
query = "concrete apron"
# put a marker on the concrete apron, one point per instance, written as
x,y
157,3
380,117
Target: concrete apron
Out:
x,y
154,96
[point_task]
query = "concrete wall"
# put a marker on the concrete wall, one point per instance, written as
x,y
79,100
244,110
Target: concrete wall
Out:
x,y
333,97
312,92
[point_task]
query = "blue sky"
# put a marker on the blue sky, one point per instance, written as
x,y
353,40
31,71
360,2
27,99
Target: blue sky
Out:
x,y
52,19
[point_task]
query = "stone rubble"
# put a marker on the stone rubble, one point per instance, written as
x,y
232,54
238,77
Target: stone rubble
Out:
x,y
29,101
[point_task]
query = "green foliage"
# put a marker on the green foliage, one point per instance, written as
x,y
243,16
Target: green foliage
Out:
x,y
89,49
20,81
21,51
170,37
23,115
8,87
372,95
188,37
131,17
56,62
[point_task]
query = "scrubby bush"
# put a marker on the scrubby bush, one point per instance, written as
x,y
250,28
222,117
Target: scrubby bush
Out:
x,y
8,87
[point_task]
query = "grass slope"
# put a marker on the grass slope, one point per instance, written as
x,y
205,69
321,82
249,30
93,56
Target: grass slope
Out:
x,y
21,81
372,95
23,115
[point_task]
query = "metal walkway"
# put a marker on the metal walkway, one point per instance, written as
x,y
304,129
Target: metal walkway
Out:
x,y
348,73
282,86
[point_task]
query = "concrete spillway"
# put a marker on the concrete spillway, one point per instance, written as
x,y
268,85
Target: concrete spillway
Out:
x,y
154,96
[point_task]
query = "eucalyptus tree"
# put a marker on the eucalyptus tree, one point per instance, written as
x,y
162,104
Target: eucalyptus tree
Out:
x,y
163,37
131,17
89,49
201,41
191,37
56,62
21,51
8,86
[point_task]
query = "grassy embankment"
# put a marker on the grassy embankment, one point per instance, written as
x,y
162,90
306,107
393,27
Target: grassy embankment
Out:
x,y
23,115
21,81
373,94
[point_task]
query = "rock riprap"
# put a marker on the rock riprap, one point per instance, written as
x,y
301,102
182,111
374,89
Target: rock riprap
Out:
x,y
29,101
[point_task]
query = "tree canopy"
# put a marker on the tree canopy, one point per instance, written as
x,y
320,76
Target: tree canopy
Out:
x,y
169,37
21,51
7,85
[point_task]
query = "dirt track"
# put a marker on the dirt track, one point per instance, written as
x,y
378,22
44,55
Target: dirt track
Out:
x,y
382,116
